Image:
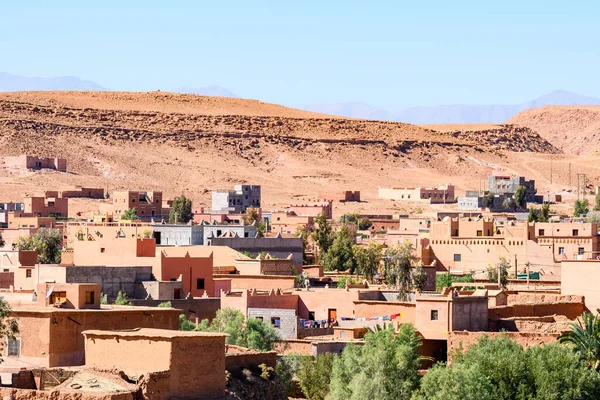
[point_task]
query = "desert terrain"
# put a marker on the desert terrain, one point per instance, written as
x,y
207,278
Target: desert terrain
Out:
x,y
192,144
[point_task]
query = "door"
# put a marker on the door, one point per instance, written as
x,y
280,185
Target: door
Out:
x,y
332,314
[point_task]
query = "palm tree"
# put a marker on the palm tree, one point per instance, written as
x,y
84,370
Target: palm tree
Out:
x,y
585,338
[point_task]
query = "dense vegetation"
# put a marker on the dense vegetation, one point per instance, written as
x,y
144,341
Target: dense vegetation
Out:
x,y
386,367
47,243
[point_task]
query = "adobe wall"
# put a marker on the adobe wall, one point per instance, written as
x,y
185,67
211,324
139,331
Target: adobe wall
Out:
x,y
262,282
90,193
470,313
366,309
251,360
129,354
276,247
34,333
202,308
198,367
190,269
67,342
537,298
428,327
525,339
570,309
32,394
320,301
581,278
7,279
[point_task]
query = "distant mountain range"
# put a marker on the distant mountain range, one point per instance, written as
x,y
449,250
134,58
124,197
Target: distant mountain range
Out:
x,y
444,114
16,83
451,114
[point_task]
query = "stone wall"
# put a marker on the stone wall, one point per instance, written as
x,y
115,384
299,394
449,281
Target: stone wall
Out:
x,y
570,309
276,247
112,279
288,320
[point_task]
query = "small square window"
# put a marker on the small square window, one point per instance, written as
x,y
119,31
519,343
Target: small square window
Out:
x,y
102,249
580,251
541,232
28,273
200,283
434,315
457,257
575,232
276,322
561,250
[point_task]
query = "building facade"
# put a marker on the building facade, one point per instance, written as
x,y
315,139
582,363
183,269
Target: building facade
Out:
x,y
236,201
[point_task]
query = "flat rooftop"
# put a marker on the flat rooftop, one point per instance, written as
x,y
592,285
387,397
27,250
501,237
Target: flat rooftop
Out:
x,y
153,333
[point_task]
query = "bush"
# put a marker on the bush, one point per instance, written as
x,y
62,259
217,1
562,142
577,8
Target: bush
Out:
x,y
446,280
314,376
165,304
121,299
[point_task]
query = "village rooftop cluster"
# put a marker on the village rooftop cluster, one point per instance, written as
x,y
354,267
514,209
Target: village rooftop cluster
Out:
x,y
125,289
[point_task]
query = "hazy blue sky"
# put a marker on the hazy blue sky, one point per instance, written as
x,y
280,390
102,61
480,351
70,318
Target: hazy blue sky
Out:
x,y
391,54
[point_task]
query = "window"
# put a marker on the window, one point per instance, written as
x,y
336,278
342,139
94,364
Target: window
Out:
x,y
457,257
28,273
133,200
479,233
342,334
102,249
14,347
580,251
541,232
561,250
219,233
200,283
245,234
575,232
5,270
276,322
311,315
434,315
89,297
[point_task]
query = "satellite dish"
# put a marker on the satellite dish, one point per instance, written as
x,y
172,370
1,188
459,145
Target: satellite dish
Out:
x,y
50,292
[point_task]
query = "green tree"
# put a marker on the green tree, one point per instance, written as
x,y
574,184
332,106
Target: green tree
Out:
x,y
181,211
286,369
323,233
46,242
397,268
488,200
340,256
314,376
446,280
500,369
544,215
165,304
521,197
8,325
584,337
185,324
597,201
582,207
129,215
252,333
368,259
384,368
121,299
534,215
419,278
261,228
364,223
508,203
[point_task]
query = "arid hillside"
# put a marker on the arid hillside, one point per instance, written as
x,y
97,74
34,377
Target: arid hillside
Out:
x,y
192,144
572,129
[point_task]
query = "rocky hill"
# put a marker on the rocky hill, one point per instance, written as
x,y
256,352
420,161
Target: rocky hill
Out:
x,y
572,129
191,144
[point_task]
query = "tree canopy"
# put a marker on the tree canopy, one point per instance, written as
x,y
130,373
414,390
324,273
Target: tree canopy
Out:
x,y
252,333
384,368
581,207
397,268
47,243
323,233
521,197
129,215
340,255
368,259
181,211
8,325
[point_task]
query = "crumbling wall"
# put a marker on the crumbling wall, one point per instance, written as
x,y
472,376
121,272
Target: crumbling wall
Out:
x,y
251,360
463,339
570,309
